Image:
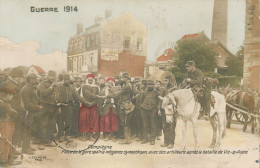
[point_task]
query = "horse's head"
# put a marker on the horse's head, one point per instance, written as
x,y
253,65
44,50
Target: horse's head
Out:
x,y
168,104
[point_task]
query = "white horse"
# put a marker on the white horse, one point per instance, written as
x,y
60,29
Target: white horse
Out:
x,y
184,102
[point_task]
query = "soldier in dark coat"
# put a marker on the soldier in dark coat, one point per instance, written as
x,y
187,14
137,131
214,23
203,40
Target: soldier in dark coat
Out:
x,y
48,101
7,126
67,94
149,107
168,127
32,107
126,106
16,83
194,80
76,107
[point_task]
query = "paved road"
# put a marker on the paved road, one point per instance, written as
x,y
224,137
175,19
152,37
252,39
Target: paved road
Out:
x,y
243,148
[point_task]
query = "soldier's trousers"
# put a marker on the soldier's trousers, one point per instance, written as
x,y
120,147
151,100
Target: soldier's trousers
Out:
x,y
65,122
48,122
139,123
74,119
6,131
206,101
149,123
18,132
27,132
169,131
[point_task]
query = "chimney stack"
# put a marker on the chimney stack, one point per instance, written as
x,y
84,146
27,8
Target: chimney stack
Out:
x,y
108,13
79,28
98,19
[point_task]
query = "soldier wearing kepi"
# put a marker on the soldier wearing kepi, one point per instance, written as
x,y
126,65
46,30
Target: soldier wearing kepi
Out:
x,y
67,94
194,80
30,102
16,83
149,107
48,101
126,106
168,120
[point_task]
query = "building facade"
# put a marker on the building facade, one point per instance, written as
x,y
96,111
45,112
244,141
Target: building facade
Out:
x,y
109,47
251,76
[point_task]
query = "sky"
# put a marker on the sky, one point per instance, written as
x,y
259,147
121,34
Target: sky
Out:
x,y
28,38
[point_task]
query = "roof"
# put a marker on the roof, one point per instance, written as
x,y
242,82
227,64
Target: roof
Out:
x,y
38,69
190,35
167,57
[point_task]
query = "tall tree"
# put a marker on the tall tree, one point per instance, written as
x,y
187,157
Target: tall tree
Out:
x,y
198,50
235,63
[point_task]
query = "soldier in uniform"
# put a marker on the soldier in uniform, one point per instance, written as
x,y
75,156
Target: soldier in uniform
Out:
x,y
16,83
7,126
168,127
67,94
48,101
76,107
149,109
30,102
126,106
194,80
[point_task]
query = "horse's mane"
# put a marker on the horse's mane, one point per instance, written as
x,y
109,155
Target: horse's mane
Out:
x,y
183,96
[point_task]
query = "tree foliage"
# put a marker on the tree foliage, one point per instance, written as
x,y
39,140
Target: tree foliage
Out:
x,y
235,63
201,52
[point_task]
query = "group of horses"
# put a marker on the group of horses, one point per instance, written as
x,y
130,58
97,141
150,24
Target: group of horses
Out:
x,y
183,102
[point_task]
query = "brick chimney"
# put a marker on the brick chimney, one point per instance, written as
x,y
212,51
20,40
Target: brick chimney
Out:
x,y
108,13
79,28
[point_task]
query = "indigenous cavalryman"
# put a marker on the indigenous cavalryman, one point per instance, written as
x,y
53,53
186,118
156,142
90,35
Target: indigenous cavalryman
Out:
x,y
88,116
108,116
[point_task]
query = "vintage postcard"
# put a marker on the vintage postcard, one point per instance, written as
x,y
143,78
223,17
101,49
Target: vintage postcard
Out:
x,y
130,83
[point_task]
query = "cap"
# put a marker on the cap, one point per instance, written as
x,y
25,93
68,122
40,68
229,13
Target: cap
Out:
x,y
90,76
110,79
190,63
17,72
31,75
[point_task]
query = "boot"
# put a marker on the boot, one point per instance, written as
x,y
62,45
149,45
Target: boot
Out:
x,y
28,151
127,136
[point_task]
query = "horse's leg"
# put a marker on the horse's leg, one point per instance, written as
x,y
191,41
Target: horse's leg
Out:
x,y
221,125
184,134
229,115
214,128
195,132
245,124
253,124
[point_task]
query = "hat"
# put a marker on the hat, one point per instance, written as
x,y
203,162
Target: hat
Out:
x,y
144,81
90,76
7,90
16,72
51,73
125,75
31,76
190,63
110,79
150,82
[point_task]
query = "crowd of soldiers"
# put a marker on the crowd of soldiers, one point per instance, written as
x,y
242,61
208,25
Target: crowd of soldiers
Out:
x,y
118,108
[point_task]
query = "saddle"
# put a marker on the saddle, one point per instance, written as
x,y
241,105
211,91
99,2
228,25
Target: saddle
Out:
x,y
198,93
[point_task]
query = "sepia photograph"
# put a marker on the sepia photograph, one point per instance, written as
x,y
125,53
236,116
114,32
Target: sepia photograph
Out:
x,y
130,83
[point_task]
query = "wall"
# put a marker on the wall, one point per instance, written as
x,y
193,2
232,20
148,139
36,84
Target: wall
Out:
x,y
127,62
